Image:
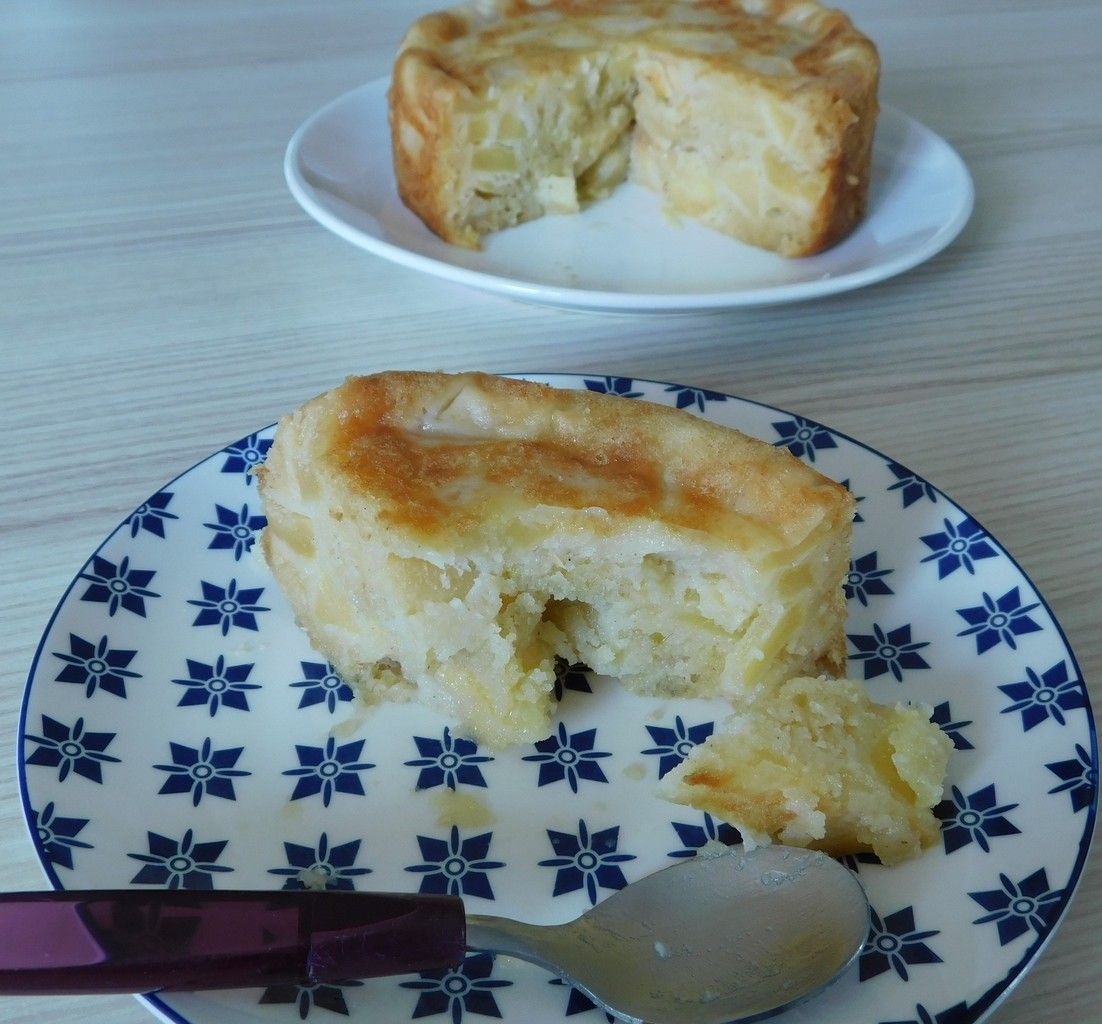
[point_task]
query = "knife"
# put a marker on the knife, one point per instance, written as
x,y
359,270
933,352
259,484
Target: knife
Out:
x,y
130,940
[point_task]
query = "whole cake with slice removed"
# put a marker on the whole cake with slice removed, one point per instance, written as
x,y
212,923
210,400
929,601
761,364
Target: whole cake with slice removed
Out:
x,y
755,117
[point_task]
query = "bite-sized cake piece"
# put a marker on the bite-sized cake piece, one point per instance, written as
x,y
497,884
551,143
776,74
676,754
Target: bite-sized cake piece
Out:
x,y
755,117
449,536
816,763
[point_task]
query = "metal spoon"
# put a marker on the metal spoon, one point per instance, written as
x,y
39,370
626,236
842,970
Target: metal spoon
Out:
x,y
714,939
720,938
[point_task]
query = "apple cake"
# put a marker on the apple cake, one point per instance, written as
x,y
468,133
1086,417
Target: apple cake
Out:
x,y
754,117
445,538
816,763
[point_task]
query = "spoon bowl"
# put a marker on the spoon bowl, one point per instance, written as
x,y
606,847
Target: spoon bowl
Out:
x,y
730,936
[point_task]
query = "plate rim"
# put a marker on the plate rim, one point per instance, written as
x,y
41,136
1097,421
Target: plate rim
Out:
x,y
627,302
985,1004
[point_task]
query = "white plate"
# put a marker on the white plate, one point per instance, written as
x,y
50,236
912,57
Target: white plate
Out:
x,y
624,254
135,768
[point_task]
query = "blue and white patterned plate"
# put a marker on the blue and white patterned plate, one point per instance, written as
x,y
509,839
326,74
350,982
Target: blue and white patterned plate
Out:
x,y
178,730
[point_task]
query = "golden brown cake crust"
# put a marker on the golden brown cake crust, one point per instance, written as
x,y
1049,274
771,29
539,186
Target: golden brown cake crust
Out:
x,y
388,437
796,50
816,39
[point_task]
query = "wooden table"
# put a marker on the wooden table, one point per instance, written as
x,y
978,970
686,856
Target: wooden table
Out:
x,y
161,294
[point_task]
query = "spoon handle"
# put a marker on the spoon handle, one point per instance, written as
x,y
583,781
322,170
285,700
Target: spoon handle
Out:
x,y
128,940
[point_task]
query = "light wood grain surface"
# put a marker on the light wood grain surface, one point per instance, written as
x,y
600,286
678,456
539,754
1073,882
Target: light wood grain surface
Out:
x,y
161,294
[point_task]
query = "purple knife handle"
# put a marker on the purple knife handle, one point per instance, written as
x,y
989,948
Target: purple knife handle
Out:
x,y
129,940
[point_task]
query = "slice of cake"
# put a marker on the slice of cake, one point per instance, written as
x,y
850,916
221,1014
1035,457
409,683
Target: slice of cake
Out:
x,y
447,537
816,763
755,117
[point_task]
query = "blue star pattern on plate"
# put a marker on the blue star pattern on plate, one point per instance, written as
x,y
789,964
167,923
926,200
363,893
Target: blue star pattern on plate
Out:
x,y
910,485
216,686
855,861
803,438
673,745
865,579
1017,907
455,865
569,756
694,836
569,676
71,749
331,769
894,944
857,498
1079,777
321,867
976,818
56,835
1039,698
956,545
202,770
943,719
322,684
687,396
245,455
180,863
118,586
306,998
577,1001
235,531
468,988
585,861
449,761
621,386
151,515
228,606
999,620
888,650
95,666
